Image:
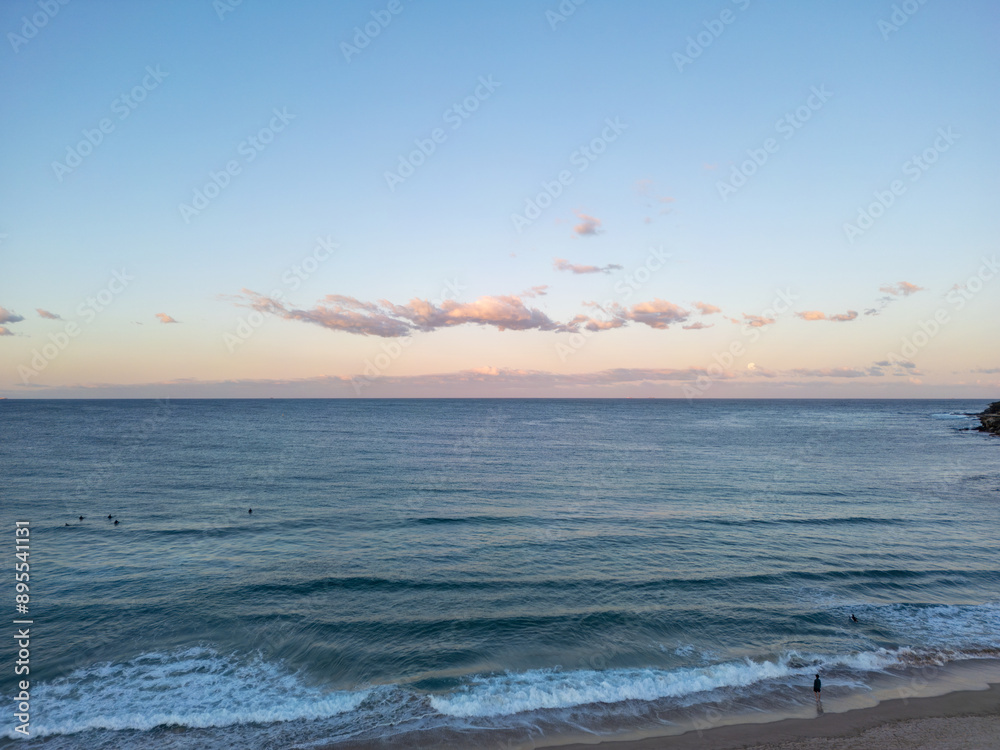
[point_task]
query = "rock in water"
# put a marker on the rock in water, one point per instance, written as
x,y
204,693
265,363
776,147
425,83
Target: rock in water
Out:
x,y
991,419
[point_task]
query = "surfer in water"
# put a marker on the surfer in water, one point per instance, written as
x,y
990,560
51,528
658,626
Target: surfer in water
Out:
x,y
853,618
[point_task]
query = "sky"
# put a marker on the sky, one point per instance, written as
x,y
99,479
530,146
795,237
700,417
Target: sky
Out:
x,y
409,198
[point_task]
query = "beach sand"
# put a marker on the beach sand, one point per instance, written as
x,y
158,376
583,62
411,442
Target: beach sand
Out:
x,y
966,720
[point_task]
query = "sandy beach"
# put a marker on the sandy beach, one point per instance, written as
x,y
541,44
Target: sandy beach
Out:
x,y
967,720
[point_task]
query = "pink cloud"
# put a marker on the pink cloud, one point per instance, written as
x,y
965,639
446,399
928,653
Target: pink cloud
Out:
x,y
385,319
588,226
844,317
4,331
46,314
610,320
817,315
697,326
706,309
503,312
536,291
164,318
756,321
561,264
812,315
657,313
903,288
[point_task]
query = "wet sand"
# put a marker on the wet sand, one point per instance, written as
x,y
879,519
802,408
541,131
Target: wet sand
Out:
x,y
966,720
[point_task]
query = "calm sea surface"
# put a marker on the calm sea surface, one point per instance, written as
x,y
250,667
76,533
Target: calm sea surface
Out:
x,y
479,572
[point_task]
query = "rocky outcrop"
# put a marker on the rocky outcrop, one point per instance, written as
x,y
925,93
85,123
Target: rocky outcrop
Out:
x,y
991,419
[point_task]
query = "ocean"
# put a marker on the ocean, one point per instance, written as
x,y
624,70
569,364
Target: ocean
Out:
x,y
486,573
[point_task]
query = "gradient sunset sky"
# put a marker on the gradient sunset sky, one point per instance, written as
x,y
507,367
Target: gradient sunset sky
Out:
x,y
728,198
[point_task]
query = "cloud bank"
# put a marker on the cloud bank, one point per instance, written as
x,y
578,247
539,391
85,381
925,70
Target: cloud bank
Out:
x,y
337,312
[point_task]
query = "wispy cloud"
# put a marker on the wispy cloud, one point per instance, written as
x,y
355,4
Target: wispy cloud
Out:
x,y
843,317
46,314
836,372
898,367
755,321
901,289
697,326
589,225
706,309
164,318
561,264
4,331
812,315
9,316
817,315
539,290
893,292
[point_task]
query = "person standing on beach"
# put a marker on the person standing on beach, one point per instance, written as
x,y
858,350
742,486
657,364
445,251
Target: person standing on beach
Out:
x,y
817,686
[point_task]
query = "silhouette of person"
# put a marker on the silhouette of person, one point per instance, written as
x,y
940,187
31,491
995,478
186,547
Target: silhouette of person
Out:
x,y
817,686
853,618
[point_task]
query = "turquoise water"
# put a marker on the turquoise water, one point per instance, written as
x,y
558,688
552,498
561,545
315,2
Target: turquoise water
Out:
x,y
466,571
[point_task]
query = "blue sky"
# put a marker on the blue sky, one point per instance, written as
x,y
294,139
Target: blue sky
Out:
x,y
444,236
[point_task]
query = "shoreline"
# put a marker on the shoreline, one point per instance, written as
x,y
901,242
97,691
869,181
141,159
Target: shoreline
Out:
x,y
909,722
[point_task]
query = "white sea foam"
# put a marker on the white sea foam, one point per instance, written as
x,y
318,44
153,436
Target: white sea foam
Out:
x,y
192,688
199,688
507,694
